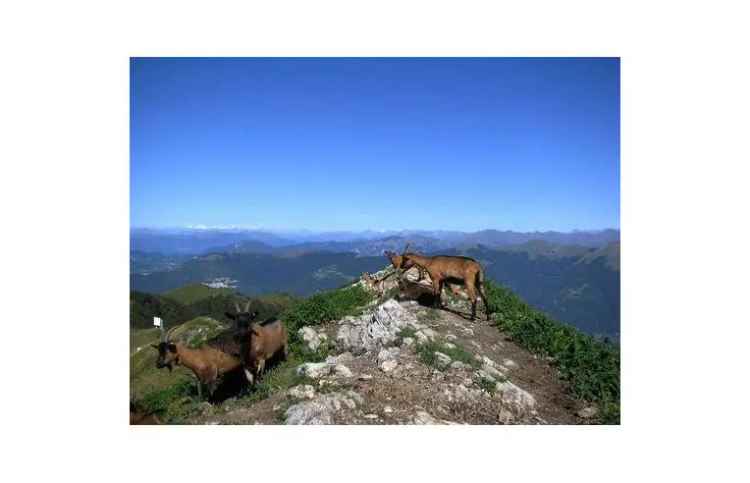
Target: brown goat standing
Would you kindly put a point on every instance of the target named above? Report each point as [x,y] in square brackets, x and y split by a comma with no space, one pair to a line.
[398,260]
[463,270]
[207,363]
[261,343]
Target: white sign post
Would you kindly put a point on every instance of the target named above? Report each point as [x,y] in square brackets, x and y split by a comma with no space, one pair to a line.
[157,321]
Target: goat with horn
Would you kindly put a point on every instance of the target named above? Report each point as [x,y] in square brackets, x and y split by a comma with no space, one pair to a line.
[207,363]
[259,342]
[398,263]
[453,269]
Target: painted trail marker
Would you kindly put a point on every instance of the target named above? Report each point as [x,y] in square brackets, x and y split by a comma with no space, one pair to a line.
[157,322]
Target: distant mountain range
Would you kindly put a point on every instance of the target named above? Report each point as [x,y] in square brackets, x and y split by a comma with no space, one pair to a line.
[576,282]
[186,241]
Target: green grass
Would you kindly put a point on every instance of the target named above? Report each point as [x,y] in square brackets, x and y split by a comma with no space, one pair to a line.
[591,367]
[426,353]
[486,384]
[173,403]
[325,307]
[173,395]
[195,292]
[407,332]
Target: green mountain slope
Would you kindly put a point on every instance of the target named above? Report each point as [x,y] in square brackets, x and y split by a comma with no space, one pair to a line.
[195,292]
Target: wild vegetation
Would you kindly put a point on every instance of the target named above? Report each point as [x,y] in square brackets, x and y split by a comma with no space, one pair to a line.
[144,307]
[174,397]
[325,307]
[591,366]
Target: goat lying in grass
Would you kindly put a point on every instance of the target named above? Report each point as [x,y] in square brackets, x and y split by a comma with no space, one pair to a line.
[259,343]
[461,270]
[207,363]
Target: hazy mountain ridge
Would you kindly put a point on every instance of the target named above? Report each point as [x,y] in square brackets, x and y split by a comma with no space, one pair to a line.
[198,241]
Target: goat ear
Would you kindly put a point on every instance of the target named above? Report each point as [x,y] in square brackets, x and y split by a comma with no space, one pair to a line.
[255,328]
[172,347]
[254,314]
[231,316]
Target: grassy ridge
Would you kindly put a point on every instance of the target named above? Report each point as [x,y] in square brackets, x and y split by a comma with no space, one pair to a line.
[591,367]
[195,292]
[325,307]
[173,396]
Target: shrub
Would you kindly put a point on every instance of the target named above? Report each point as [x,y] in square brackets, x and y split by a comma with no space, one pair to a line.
[325,307]
[592,367]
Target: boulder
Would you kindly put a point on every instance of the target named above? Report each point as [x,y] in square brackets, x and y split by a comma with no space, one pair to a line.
[314,370]
[311,338]
[322,409]
[303,391]
[588,412]
[515,398]
[423,417]
[443,360]
[375,328]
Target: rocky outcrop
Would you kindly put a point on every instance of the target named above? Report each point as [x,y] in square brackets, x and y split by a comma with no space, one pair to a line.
[311,338]
[322,409]
[374,329]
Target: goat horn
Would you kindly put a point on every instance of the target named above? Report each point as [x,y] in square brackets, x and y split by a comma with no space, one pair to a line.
[237,307]
[247,306]
[169,333]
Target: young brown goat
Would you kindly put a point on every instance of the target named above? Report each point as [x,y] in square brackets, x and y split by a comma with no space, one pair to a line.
[260,343]
[398,262]
[461,270]
[207,363]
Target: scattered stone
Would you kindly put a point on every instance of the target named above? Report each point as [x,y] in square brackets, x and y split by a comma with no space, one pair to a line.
[515,398]
[342,371]
[450,336]
[388,354]
[387,409]
[364,377]
[407,342]
[389,365]
[423,417]
[509,364]
[304,391]
[314,370]
[494,372]
[458,393]
[371,416]
[375,328]
[458,365]
[321,410]
[342,358]
[588,412]
[476,345]
[311,338]
[448,345]
[421,338]
[505,416]
[481,374]
[443,360]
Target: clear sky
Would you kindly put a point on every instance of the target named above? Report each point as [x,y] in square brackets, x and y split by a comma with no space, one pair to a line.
[355,144]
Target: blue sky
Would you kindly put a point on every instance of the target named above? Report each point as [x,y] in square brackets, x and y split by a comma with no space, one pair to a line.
[355,144]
